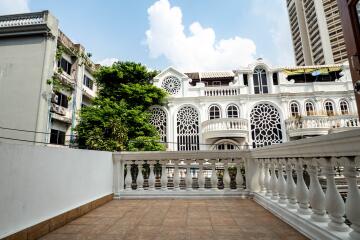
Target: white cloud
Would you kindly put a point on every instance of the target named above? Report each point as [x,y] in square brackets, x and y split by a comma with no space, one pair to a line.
[14,6]
[274,13]
[107,61]
[197,51]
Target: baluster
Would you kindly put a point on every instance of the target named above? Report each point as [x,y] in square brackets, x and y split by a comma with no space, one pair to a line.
[273,182]
[201,177]
[128,178]
[281,182]
[188,179]
[164,177]
[214,177]
[176,178]
[302,192]
[267,177]
[353,198]
[290,186]
[140,177]
[239,177]
[262,175]
[316,194]
[226,177]
[151,179]
[334,203]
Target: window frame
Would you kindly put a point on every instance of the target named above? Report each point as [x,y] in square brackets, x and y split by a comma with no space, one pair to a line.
[331,112]
[260,76]
[296,113]
[213,113]
[232,111]
[341,104]
[312,113]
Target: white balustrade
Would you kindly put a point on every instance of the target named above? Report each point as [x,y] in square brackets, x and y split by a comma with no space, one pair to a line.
[273,182]
[302,191]
[221,91]
[352,208]
[225,124]
[281,187]
[226,178]
[322,122]
[316,194]
[318,162]
[290,186]
[334,203]
[151,180]
[239,177]
[140,178]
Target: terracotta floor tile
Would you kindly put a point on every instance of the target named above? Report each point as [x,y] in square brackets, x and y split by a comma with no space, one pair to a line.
[172,219]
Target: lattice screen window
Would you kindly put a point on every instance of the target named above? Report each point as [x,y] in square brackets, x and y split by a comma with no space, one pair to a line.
[265,125]
[171,84]
[188,129]
[158,119]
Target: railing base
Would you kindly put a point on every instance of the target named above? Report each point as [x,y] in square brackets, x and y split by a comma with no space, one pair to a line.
[146,194]
[303,223]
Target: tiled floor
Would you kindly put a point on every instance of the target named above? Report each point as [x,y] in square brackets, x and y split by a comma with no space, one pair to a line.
[177,219]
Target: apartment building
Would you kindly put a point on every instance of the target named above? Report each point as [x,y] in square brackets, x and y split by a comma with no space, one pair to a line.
[45,79]
[316,32]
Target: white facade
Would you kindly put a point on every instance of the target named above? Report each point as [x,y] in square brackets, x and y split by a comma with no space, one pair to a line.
[232,115]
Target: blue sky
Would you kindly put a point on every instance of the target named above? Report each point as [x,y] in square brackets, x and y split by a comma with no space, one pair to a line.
[188,34]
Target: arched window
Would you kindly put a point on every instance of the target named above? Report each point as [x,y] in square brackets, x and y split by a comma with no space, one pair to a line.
[214,112]
[260,81]
[188,129]
[310,109]
[344,107]
[265,125]
[158,119]
[232,111]
[225,144]
[329,108]
[294,109]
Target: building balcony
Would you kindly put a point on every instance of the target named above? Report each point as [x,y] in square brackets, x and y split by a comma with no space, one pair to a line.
[221,91]
[225,127]
[89,93]
[66,78]
[60,113]
[320,125]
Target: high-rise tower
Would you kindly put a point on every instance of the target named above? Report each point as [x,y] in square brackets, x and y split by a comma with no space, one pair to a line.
[316,32]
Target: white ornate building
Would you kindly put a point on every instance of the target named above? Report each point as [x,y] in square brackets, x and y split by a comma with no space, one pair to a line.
[253,106]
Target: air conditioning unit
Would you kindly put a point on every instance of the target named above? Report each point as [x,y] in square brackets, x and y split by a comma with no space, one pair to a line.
[54,98]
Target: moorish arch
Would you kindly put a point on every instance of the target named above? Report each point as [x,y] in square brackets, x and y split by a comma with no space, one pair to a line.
[158,119]
[187,129]
[265,124]
[225,144]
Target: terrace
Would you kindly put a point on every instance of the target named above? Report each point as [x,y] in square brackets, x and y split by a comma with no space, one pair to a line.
[272,192]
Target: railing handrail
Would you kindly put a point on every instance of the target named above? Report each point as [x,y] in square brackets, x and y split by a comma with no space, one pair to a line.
[180,155]
[220,120]
[345,116]
[339,144]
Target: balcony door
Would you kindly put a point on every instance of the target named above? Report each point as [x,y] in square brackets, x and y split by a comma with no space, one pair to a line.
[350,20]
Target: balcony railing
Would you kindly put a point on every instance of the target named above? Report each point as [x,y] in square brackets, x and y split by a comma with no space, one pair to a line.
[221,91]
[225,127]
[205,173]
[265,173]
[320,124]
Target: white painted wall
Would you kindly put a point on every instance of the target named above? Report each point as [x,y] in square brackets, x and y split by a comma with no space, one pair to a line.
[37,183]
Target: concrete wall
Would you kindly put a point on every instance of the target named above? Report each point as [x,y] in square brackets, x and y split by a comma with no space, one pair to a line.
[25,65]
[37,183]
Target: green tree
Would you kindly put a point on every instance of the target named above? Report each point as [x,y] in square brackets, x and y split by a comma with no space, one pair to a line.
[118,119]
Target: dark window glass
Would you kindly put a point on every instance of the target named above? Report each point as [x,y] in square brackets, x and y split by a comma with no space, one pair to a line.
[275,79]
[65,66]
[62,100]
[214,112]
[57,137]
[88,82]
[260,81]
[246,82]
